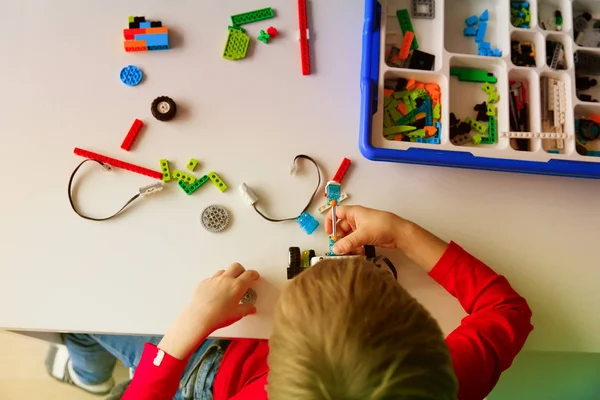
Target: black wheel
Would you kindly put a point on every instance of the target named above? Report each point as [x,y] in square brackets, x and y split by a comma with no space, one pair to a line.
[370,252]
[163,108]
[311,254]
[294,262]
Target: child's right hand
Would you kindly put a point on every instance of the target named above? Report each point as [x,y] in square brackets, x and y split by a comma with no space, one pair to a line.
[360,226]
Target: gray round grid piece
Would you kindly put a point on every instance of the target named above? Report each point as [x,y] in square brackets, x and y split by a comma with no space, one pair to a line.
[215,218]
[249,297]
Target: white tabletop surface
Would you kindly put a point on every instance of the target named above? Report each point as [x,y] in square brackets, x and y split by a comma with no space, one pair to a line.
[60,89]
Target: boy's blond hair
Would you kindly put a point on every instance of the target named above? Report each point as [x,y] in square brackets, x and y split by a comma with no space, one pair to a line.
[346,330]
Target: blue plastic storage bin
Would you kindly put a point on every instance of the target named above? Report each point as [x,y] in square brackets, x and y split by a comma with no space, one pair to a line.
[372,36]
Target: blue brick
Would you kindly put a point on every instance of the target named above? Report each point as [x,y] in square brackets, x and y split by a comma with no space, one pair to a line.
[145,24]
[472,20]
[485,16]
[485,45]
[470,31]
[496,52]
[333,191]
[307,222]
[154,39]
[481,32]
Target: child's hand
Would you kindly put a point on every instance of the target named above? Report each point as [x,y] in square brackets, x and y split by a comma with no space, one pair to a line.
[214,305]
[360,226]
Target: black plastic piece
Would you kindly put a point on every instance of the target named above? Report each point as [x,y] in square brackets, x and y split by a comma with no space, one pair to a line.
[134,25]
[139,19]
[163,108]
[585,83]
[294,263]
[453,120]
[156,24]
[580,149]
[370,252]
[421,60]
[482,112]
[401,85]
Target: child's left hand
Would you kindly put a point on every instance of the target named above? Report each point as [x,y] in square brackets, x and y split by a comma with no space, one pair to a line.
[214,305]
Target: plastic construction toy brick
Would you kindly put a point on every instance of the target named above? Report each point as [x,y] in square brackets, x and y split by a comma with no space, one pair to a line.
[264,37]
[406,44]
[145,35]
[421,60]
[182,176]
[192,164]
[472,20]
[341,172]
[485,16]
[217,181]
[406,26]
[327,206]
[470,31]
[520,15]
[166,171]
[131,75]
[481,31]
[304,36]
[472,75]
[272,31]
[477,126]
[236,47]
[191,188]
[307,222]
[333,191]
[117,163]
[423,9]
[132,134]
[252,16]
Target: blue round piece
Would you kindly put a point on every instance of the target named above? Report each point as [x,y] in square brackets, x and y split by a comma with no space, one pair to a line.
[131,75]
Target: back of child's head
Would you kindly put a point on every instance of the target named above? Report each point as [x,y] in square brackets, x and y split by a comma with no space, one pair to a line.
[345,330]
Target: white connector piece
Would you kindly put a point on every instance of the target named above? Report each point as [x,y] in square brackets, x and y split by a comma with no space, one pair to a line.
[532,135]
[326,207]
[248,194]
[151,189]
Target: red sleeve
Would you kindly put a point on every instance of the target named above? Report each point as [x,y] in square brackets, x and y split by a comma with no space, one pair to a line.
[155,378]
[499,321]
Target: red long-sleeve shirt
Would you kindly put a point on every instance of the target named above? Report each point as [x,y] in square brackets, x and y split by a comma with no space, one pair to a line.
[482,347]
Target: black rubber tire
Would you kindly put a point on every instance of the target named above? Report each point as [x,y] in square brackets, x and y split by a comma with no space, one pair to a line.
[370,252]
[163,114]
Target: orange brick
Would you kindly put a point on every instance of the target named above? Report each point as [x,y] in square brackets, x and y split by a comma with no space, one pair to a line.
[406,43]
[420,116]
[399,138]
[430,130]
[420,86]
[162,29]
[595,118]
[411,84]
[388,92]
[135,45]
[402,109]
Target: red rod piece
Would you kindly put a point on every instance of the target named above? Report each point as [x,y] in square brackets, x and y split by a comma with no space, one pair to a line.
[304,48]
[133,132]
[118,164]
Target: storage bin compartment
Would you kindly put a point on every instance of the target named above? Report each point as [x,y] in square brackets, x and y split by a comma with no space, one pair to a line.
[554,15]
[586,23]
[522,116]
[522,41]
[559,57]
[587,130]
[457,11]
[587,75]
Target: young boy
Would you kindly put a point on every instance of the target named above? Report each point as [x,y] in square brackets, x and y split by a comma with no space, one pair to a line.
[343,329]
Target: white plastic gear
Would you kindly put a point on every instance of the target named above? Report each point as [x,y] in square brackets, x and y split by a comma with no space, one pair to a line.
[215,218]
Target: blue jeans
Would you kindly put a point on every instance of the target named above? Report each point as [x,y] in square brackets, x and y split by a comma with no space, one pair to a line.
[94,357]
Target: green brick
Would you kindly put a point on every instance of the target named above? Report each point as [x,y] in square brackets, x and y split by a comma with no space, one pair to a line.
[418,133]
[492,137]
[491,110]
[406,25]
[192,164]
[437,111]
[164,167]
[187,178]
[236,46]
[476,139]
[217,181]
[388,122]
[189,189]
[415,94]
[387,101]
[239,28]
[472,75]
[488,88]
[252,16]
[398,129]
[131,19]
[477,126]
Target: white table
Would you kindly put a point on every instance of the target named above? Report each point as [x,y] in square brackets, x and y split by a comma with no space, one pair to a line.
[246,120]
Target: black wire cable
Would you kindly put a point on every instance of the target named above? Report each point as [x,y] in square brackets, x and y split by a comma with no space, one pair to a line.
[311,197]
[134,198]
